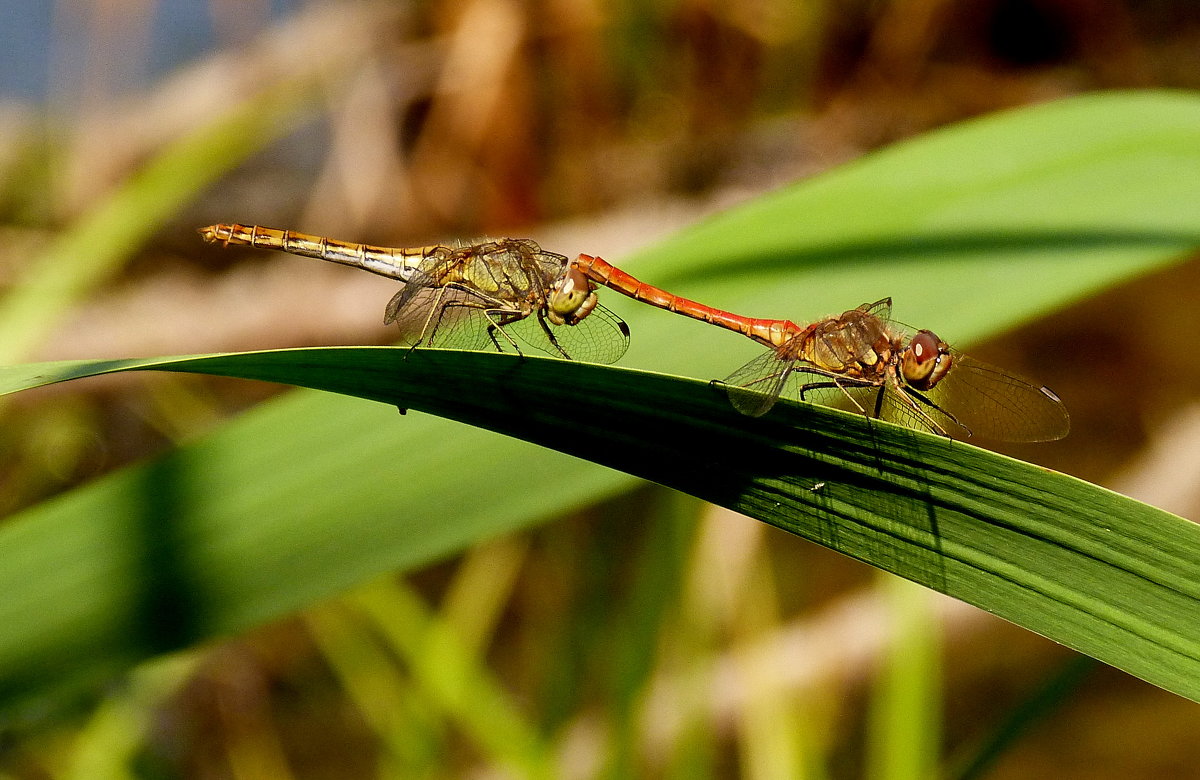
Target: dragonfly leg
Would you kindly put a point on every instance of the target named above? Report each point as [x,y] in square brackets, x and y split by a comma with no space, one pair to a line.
[840,382]
[910,393]
[550,335]
[434,319]
[810,386]
[771,377]
[450,299]
[853,400]
[497,320]
[906,396]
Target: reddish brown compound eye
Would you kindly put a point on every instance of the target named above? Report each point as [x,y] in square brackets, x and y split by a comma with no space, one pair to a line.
[924,346]
[578,280]
[926,360]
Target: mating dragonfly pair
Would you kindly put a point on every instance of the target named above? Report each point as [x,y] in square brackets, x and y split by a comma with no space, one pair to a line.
[490,295]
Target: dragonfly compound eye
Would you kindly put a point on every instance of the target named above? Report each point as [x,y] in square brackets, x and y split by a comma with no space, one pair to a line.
[572,299]
[926,360]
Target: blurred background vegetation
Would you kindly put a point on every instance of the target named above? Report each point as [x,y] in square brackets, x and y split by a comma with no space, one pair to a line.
[646,636]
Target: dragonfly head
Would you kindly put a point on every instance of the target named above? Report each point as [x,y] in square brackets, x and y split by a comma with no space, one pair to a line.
[571,299]
[925,361]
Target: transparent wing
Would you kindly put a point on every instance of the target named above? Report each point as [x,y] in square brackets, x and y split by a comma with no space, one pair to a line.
[993,404]
[979,400]
[430,272]
[754,388]
[894,406]
[450,318]
[974,400]
[881,309]
[454,318]
[600,337]
[871,400]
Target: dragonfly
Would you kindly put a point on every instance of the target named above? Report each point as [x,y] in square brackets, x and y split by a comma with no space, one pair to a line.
[865,361]
[485,295]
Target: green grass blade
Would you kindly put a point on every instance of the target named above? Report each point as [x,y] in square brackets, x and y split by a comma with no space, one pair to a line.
[905,710]
[457,680]
[1055,691]
[653,594]
[404,724]
[1017,540]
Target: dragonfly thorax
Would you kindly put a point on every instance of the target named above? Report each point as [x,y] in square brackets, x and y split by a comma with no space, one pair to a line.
[855,345]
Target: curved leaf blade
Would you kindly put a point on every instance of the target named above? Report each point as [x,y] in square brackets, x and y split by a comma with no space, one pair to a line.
[1010,537]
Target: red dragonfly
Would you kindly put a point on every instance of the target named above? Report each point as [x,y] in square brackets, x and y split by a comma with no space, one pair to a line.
[863,360]
[476,296]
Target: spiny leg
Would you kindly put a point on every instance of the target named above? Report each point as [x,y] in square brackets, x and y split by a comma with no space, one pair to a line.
[550,335]
[437,308]
[504,317]
[840,382]
[905,396]
[488,312]
[911,393]
[444,306]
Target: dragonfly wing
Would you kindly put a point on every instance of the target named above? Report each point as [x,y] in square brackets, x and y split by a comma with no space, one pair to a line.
[398,303]
[873,400]
[600,337]
[603,339]
[449,318]
[922,414]
[973,400]
[994,404]
[424,278]
[881,308]
[754,388]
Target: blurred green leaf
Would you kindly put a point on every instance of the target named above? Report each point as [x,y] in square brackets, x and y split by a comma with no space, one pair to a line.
[970,229]
[905,707]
